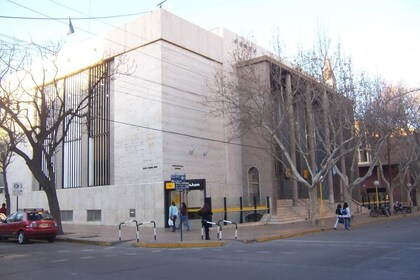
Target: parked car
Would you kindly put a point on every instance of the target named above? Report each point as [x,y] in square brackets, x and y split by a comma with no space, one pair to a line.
[29,224]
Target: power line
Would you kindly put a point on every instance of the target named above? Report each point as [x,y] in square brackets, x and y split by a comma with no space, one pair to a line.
[188,135]
[73,18]
[177,101]
[107,39]
[136,50]
[170,62]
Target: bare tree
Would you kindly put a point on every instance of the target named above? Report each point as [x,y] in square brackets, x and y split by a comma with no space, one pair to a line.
[361,92]
[393,117]
[405,142]
[283,106]
[7,52]
[34,100]
[6,157]
[334,71]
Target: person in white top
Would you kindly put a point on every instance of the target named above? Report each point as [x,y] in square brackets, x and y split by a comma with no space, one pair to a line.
[346,213]
[173,214]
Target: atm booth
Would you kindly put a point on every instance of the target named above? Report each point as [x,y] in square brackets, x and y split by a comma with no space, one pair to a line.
[194,198]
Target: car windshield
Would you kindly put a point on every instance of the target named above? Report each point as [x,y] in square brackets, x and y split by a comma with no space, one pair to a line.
[39,216]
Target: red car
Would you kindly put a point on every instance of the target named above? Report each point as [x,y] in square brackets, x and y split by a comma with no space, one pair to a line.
[29,224]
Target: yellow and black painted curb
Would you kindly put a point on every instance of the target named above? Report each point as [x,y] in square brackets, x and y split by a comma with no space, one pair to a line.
[197,244]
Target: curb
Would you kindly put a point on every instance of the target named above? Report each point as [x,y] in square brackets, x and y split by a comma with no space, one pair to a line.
[284,236]
[197,244]
[220,243]
[88,242]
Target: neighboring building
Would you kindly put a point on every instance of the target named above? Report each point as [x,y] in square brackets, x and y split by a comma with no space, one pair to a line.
[395,152]
[151,124]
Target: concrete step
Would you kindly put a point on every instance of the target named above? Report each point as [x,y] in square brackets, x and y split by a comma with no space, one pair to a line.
[287,213]
[277,220]
[284,203]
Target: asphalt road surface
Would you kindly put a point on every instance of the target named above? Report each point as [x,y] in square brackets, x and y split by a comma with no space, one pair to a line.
[387,250]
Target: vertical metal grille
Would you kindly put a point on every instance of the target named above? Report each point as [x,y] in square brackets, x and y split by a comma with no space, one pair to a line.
[72,148]
[50,94]
[99,125]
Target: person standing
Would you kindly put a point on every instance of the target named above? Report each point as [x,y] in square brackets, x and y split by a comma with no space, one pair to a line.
[173,214]
[339,217]
[205,213]
[184,216]
[346,215]
[3,209]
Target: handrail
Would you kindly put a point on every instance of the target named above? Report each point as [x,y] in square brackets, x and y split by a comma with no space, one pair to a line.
[127,222]
[219,228]
[154,227]
[202,227]
[137,228]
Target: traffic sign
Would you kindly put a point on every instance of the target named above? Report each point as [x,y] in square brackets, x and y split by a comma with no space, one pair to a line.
[17,189]
[182,187]
[178,178]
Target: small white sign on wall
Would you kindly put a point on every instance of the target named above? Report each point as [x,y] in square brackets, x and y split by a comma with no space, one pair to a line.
[17,189]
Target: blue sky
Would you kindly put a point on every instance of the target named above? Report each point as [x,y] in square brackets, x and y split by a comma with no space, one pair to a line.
[382,36]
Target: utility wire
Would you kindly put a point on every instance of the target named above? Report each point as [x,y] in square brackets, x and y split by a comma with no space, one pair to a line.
[73,18]
[145,127]
[134,34]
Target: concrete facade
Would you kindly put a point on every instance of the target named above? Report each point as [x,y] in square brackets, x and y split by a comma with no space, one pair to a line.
[158,121]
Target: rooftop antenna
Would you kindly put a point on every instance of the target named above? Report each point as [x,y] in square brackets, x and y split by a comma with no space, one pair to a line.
[160,4]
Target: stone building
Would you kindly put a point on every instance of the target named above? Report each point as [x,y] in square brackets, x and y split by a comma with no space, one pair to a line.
[149,125]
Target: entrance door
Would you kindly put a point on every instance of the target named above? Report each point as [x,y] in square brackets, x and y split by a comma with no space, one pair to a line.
[194,198]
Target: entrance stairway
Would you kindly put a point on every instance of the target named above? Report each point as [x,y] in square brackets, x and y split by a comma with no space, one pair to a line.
[287,213]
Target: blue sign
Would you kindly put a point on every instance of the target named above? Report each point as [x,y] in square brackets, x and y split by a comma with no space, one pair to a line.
[182,187]
[178,178]
[180,184]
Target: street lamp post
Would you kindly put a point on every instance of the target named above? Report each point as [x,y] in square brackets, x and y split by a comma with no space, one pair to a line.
[376,183]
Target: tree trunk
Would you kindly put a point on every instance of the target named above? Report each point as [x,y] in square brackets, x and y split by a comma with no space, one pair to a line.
[347,194]
[313,198]
[54,207]
[349,198]
[292,132]
[6,192]
[343,165]
[48,186]
[327,144]
[311,142]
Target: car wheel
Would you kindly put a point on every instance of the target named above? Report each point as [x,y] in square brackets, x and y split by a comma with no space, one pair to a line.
[21,237]
[51,239]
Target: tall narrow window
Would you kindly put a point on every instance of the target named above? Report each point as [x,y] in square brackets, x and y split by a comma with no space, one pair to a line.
[99,125]
[254,182]
[48,96]
[72,147]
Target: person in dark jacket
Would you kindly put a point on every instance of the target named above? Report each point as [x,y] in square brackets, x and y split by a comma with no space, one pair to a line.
[184,216]
[339,218]
[3,209]
[205,213]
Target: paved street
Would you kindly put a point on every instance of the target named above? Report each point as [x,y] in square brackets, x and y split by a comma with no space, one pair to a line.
[386,250]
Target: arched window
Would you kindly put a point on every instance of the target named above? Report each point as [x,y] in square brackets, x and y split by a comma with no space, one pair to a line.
[254,182]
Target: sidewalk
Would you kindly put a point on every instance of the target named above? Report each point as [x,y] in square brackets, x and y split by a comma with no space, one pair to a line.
[246,233]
